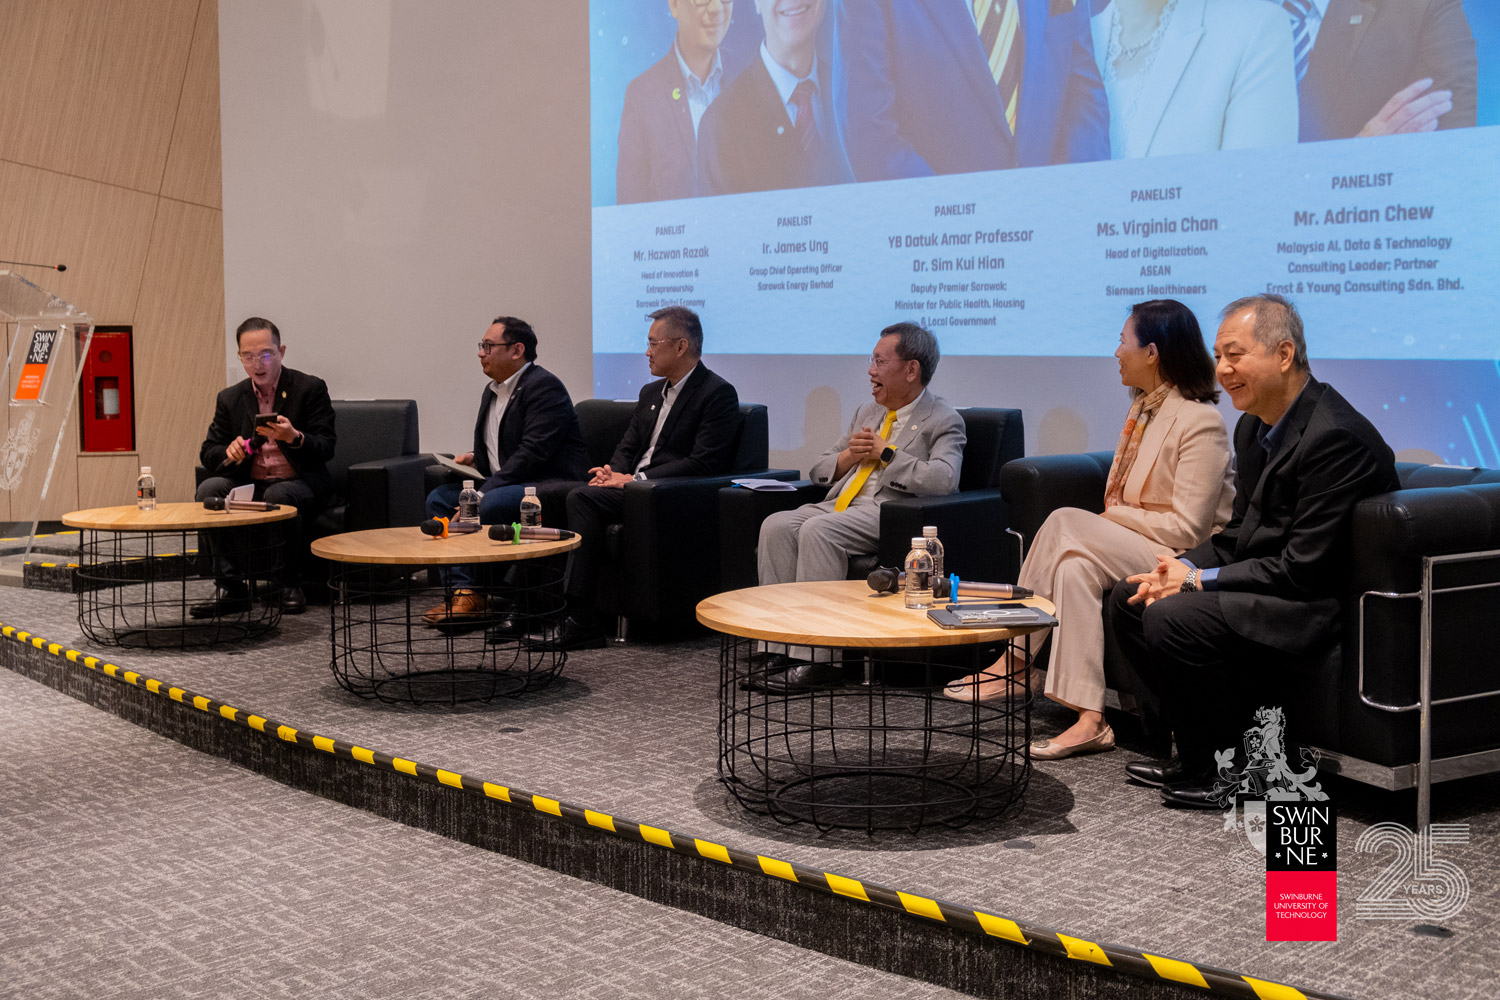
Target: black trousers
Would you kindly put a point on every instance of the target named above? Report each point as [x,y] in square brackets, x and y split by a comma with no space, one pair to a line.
[291,492]
[1208,678]
[591,511]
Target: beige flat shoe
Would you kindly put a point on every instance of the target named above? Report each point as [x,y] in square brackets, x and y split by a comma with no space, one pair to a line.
[987,686]
[1047,750]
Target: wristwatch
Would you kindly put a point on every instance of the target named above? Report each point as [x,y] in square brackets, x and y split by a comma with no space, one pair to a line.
[887,454]
[639,477]
[1190,582]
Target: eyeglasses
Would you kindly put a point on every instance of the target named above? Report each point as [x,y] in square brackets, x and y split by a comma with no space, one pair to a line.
[264,357]
[701,4]
[882,362]
[486,347]
[652,345]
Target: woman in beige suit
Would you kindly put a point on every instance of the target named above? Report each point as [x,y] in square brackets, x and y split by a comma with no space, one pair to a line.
[1169,488]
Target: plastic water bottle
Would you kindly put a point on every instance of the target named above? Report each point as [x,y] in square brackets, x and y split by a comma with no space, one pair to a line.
[531,509]
[468,504]
[934,549]
[919,575]
[145,490]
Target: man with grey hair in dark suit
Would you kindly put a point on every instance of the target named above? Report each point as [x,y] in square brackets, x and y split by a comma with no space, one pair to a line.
[1226,627]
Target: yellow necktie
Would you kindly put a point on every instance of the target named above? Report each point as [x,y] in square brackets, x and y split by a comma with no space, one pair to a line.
[999,23]
[857,481]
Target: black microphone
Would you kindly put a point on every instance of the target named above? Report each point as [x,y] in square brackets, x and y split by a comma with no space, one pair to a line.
[442,527]
[22,263]
[517,532]
[889,580]
[224,503]
[249,452]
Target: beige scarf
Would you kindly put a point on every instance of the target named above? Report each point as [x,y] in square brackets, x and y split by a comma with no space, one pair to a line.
[1141,411]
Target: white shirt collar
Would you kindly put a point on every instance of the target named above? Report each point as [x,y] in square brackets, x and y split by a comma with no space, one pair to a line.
[783,78]
[509,385]
[676,388]
[715,72]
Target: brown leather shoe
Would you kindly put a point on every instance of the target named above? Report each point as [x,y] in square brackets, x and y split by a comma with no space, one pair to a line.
[463,606]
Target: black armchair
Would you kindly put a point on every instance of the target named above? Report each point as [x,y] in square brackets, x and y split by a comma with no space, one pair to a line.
[971,522]
[376,470]
[1405,698]
[376,473]
[663,559]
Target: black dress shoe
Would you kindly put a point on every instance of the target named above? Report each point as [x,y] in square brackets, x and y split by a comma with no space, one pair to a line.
[1156,773]
[576,635]
[803,677]
[226,601]
[761,666]
[1196,793]
[292,601]
[504,630]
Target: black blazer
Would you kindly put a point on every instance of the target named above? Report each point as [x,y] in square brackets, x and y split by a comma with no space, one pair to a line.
[302,399]
[1369,49]
[1284,556]
[699,436]
[746,140]
[539,435]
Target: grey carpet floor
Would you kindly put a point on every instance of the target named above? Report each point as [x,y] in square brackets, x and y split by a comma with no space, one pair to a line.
[631,731]
[135,867]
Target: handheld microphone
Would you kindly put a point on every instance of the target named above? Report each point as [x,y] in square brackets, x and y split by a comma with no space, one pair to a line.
[442,527]
[249,452]
[22,263]
[888,580]
[224,503]
[515,533]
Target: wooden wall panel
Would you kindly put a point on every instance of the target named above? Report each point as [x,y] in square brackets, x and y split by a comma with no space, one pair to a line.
[101,232]
[92,86]
[193,173]
[179,343]
[107,480]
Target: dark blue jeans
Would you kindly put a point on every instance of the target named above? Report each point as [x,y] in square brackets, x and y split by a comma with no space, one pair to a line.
[501,505]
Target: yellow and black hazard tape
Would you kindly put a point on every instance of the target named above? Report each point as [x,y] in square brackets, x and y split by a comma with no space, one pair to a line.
[1124,960]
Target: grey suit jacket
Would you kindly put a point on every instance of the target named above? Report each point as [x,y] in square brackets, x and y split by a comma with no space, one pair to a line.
[929,451]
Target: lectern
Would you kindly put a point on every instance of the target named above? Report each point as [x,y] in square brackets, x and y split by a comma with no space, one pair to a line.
[46,342]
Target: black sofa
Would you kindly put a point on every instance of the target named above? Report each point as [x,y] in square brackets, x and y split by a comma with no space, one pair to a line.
[1424,581]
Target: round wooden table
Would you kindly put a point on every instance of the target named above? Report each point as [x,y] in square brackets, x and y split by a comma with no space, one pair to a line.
[883,748]
[382,647]
[139,573]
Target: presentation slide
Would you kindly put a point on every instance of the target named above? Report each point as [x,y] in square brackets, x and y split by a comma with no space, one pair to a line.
[1014,174]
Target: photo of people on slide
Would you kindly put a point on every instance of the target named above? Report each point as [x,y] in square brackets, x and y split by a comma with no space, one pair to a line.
[706,97]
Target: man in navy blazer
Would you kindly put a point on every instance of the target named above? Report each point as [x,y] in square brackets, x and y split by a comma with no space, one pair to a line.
[526,433]
[1380,67]
[1226,628]
[920,98]
[286,459]
[754,137]
[686,423]
[658,142]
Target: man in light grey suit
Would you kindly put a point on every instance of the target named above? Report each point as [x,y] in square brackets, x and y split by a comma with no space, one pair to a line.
[907,442]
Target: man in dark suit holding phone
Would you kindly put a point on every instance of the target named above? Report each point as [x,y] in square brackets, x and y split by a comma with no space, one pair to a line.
[1225,628]
[685,424]
[274,430]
